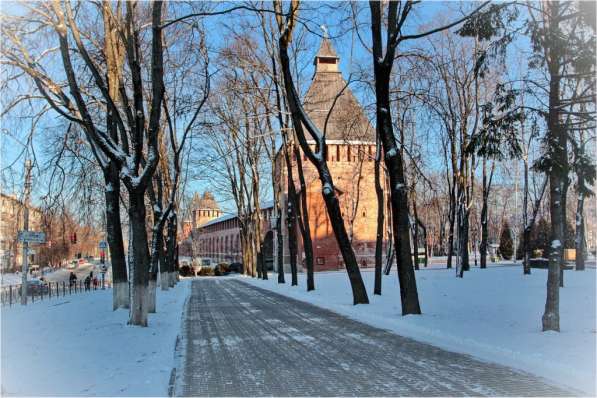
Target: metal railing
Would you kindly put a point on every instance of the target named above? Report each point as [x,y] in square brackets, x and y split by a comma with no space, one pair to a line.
[11,294]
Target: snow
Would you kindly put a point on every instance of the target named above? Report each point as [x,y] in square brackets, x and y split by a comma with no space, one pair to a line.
[78,346]
[555,244]
[391,153]
[493,314]
[327,189]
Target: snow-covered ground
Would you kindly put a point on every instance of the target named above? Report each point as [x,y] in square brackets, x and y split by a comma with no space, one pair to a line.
[492,314]
[78,346]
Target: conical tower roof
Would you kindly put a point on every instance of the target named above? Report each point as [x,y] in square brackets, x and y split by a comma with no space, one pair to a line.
[347,121]
[326,50]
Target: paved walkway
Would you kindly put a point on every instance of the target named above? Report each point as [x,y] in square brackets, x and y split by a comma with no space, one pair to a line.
[239,340]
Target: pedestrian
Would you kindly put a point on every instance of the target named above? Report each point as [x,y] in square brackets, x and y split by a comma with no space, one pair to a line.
[72,279]
[87,282]
[95,281]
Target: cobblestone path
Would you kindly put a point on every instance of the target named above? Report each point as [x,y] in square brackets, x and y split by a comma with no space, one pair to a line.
[239,340]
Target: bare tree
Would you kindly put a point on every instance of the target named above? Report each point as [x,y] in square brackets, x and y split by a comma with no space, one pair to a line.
[317,155]
[135,134]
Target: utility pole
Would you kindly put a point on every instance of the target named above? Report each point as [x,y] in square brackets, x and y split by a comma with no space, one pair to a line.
[26,228]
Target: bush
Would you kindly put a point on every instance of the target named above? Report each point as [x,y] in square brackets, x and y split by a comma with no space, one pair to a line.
[506,245]
[540,237]
[223,267]
[185,270]
[205,271]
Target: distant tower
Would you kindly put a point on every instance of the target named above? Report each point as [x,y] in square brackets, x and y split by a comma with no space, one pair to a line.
[205,208]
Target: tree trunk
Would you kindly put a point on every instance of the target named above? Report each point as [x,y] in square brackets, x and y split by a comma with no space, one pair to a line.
[526,234]
[164,268]
[291,225]
[171,250]
[258,258]
[138,259]
[556,142]
[453,202]
[462,219]
[260,265]
[398,191]
[120,284]
[424,228]
[114,51]
[380,220]
[579,241]
[291,214]
[484,226]
[280,243]
[463,240]
[304,225]
[451,219]
[157,248]
[415,245]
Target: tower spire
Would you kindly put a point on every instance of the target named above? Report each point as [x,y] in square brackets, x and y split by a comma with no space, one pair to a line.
[326,59]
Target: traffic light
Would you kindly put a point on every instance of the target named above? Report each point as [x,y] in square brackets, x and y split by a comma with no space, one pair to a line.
[102,257]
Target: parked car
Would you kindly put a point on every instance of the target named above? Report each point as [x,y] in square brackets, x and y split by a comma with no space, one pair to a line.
[236,267]
[221,269]
[206,262]
[35,286]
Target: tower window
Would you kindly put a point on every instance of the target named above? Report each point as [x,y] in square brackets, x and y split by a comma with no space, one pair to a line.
[327,60]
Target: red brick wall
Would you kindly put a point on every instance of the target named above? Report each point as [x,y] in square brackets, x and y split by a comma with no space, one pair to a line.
[352,169]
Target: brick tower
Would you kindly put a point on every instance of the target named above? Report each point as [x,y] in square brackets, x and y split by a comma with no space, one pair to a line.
[350,155]
[205,208]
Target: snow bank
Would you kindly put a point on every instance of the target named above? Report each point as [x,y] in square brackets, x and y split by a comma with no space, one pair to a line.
[492,314]
[78,346]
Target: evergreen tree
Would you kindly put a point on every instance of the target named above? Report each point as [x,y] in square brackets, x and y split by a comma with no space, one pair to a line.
[506,245]
[540,237]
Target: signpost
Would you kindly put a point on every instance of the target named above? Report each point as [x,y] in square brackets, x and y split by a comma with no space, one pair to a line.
[24,235]
[103,245]
[31,237]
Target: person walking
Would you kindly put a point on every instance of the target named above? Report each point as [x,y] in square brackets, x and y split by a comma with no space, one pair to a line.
[72,279]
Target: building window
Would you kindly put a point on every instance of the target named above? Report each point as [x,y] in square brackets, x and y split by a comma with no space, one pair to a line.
[348,155]
[364,213]
[338,153]
[320,261]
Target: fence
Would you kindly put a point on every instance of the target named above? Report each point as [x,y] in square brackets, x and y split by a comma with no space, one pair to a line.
[11,294]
